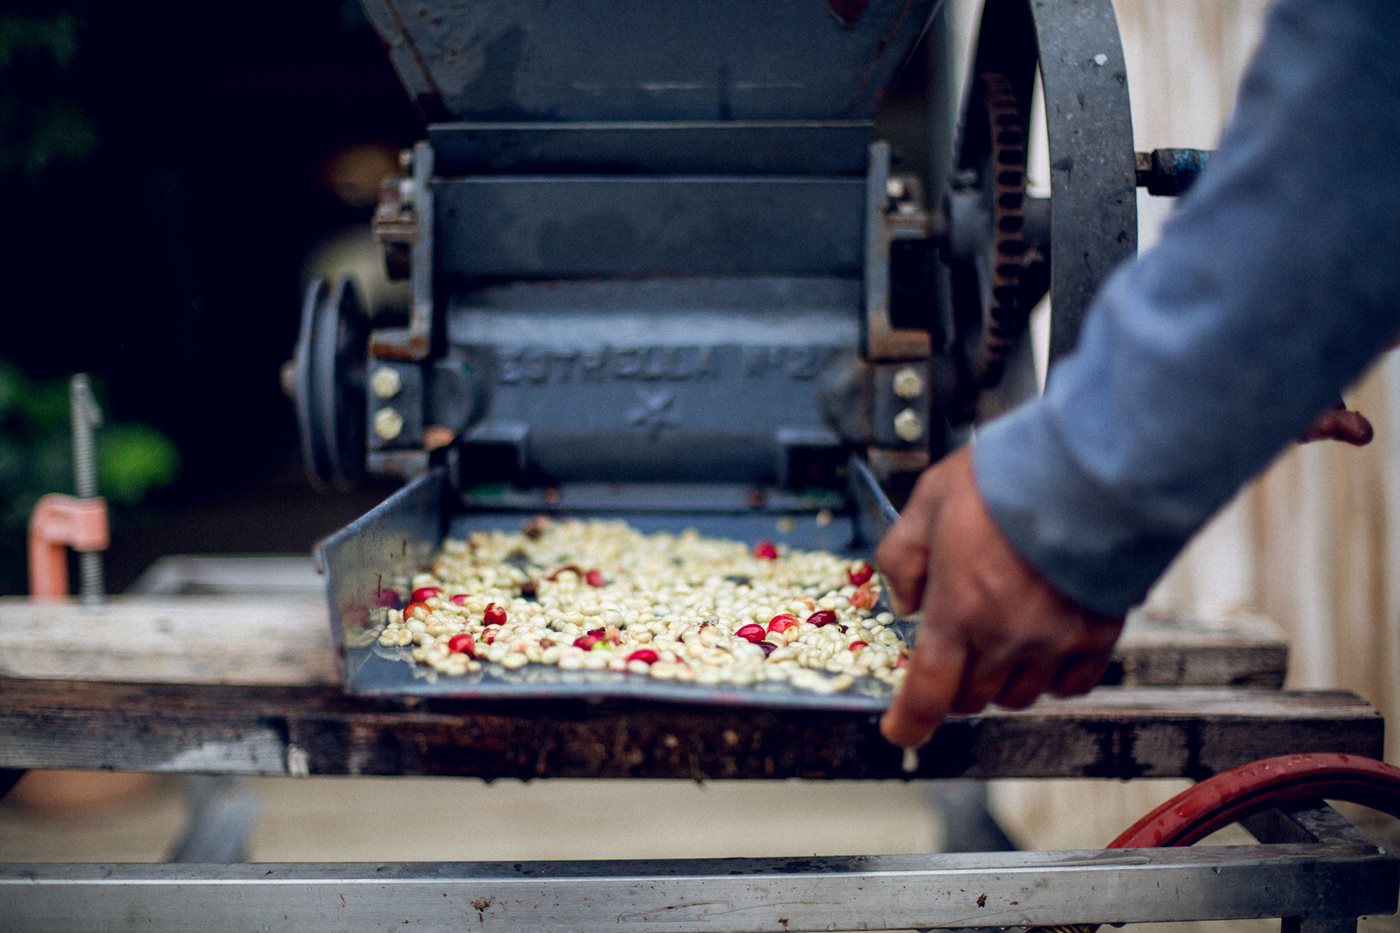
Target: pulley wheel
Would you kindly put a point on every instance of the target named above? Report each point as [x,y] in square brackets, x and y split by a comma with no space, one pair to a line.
[1007,249]
[329,384]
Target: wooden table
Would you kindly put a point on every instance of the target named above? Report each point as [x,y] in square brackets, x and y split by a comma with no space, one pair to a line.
[247,686]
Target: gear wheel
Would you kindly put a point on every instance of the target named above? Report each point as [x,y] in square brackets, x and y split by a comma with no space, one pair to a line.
[1005,177]
[1005,249]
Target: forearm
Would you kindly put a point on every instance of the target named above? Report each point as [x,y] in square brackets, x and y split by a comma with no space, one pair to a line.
[1273,285]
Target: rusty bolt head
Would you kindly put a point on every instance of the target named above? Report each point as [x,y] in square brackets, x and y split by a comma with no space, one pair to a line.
[386,382]
[908,426]
[908,384]
[436,436]
[388,424]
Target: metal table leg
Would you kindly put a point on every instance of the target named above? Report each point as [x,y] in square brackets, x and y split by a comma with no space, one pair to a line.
[968,824]
[1318,823]
[222,811]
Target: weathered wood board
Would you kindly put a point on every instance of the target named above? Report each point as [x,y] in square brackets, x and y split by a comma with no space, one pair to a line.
[285,639]
[248,684]
[1238,649]
[1119,732]
[171,639]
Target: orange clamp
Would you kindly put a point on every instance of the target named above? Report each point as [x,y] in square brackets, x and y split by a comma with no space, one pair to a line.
[60,522]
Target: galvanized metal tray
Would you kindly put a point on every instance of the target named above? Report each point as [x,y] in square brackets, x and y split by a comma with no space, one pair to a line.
[368,565]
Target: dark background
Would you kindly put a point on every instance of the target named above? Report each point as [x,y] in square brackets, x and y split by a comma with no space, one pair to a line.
[157,238]
[166,258]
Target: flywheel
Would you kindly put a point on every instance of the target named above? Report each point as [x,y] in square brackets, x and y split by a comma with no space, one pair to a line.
[1006,248]
[327,382]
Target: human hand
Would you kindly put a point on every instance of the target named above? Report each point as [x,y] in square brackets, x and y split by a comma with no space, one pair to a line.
[1340,423]
[993,630]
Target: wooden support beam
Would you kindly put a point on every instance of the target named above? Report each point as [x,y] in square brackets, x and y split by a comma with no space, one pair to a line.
[1116,732]
[284,639]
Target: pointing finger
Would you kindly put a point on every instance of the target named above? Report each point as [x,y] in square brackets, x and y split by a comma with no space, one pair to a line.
[932,681]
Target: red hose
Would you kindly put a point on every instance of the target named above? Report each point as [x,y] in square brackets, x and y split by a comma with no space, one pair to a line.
[1232,795]
[1261,785]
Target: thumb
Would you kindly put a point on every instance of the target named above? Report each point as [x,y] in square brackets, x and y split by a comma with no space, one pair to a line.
[903,555]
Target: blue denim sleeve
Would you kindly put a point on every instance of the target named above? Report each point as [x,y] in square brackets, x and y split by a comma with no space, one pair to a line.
[1276,281]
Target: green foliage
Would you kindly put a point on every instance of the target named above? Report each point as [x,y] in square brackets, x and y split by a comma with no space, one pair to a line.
[132,460]
[36,457]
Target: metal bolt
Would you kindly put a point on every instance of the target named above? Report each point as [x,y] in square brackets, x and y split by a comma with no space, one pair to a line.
[406,159]
[386,382]
[388,424]
[895,188]
[908,384]
[85,416]
[908,426]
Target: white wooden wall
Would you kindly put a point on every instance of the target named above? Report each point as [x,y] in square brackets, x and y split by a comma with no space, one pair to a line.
[1315,543]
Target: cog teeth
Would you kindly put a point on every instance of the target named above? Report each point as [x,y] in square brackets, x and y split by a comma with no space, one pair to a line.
[1005,318]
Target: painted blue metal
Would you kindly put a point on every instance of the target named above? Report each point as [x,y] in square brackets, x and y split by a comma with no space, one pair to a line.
[533,60]
[364,560]
[652,254]
[572,226]
[660,380]
[779,147]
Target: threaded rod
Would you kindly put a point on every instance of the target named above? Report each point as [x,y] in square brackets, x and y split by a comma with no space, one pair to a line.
[85,417]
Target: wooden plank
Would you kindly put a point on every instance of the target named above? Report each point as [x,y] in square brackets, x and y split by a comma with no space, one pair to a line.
[1171,648]
[285,639]
[1115,732]
[282,639]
